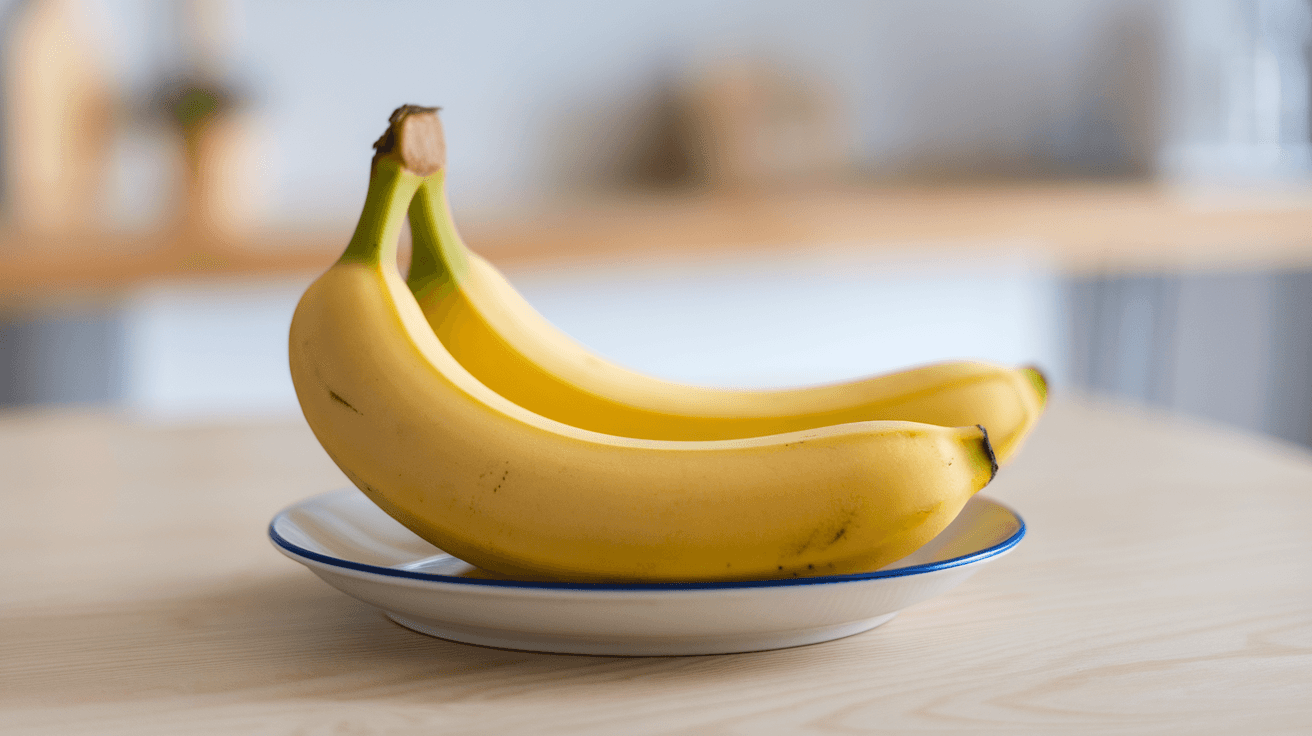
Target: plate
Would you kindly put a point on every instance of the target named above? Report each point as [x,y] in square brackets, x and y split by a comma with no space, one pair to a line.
[357,548]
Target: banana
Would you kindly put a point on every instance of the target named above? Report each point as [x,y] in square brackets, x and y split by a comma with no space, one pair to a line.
[495,334]
[517,493]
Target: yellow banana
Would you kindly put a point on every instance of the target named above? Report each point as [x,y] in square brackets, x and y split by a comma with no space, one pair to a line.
[496,335]
[517,493]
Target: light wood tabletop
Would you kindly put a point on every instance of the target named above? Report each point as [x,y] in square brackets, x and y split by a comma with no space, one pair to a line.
[1165,586]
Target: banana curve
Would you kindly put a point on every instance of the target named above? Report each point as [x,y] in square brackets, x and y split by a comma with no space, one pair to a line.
[501,339]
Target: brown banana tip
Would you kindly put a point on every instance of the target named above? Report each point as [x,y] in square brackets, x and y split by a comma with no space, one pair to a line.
[414,135]
[988,449]
[1039,380]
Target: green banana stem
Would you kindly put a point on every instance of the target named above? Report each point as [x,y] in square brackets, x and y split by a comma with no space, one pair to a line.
[391,188]
[438,260]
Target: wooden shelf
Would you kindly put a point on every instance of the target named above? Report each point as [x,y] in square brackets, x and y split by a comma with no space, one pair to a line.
[1074,226]
[1077,227]
[36,266]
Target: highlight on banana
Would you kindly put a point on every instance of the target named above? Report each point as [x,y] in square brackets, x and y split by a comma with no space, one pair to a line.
[466,416]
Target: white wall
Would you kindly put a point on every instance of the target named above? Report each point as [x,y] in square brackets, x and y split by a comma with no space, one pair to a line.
[781,322]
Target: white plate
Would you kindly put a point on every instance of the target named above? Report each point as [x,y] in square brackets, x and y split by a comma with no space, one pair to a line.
[354,546]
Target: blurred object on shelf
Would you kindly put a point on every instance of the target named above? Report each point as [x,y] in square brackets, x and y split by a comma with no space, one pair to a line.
[1237,104]
[64,116]
[219,146]
[60,120]
[747,123]
[215,129]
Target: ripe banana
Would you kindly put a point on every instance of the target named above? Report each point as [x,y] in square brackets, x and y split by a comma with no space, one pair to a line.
[499,338]
[520,494]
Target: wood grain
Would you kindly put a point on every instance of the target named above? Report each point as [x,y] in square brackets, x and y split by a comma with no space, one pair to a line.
[1165,587]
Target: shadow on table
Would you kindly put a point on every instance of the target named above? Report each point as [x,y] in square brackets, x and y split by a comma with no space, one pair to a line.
[291,635]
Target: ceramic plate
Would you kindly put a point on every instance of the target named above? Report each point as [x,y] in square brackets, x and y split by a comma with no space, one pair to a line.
[350,543]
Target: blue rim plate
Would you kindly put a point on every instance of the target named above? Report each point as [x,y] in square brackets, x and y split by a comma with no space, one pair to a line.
[351,544]
[906,567]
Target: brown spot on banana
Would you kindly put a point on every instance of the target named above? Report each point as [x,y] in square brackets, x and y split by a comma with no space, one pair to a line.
[828,535]
[988,448]
[358,481]
[336,397]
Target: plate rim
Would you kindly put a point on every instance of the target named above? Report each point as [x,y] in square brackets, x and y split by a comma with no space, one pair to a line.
[293,549]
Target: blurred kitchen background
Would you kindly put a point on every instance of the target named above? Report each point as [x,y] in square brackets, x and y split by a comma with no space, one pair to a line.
[750,193]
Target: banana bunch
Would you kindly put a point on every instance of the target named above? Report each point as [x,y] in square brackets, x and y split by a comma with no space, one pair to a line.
[464,415]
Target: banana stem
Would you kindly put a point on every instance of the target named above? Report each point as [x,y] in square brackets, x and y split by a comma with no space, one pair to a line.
[413,147]
[439,259]
[391,188]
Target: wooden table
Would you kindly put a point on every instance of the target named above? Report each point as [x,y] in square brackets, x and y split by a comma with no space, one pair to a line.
[1165,587]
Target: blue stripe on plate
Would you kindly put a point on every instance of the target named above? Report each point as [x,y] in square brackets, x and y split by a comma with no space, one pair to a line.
[996,549]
